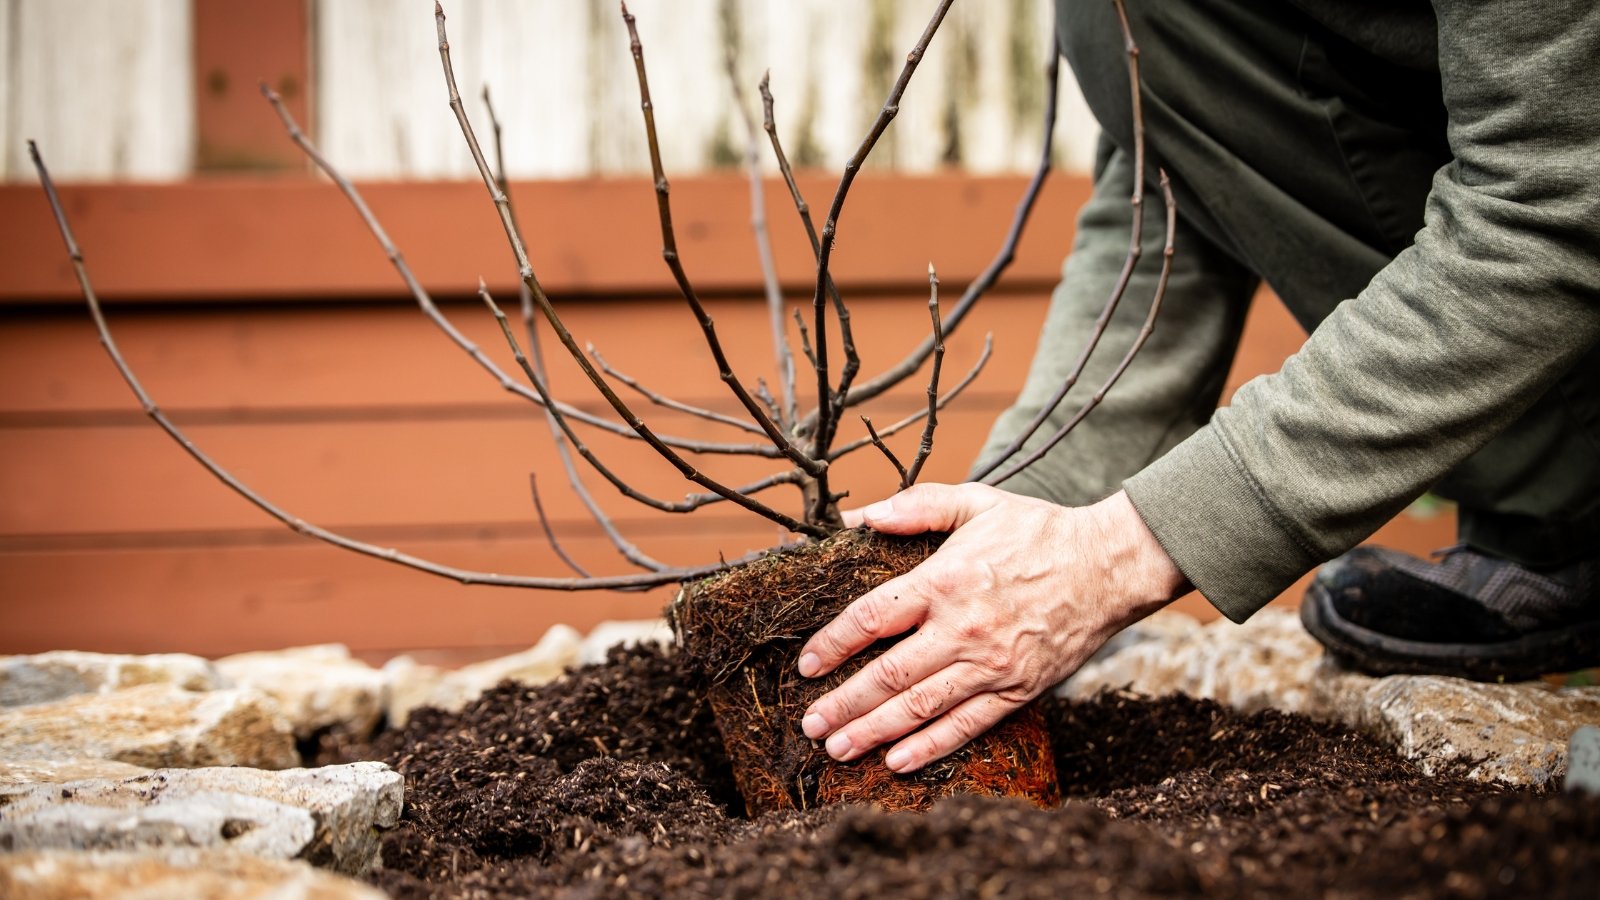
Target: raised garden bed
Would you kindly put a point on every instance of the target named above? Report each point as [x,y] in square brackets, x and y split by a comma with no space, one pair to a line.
[613,781]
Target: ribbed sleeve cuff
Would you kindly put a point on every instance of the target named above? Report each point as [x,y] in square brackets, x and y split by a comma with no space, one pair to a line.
[1221,531]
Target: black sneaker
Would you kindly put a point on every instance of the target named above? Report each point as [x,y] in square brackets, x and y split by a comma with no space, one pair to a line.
[1468,615]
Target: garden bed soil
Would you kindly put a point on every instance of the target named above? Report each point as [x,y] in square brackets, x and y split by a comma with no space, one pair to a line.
[612,781]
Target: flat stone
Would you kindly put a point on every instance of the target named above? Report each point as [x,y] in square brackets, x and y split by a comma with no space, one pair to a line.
[1512,733]
[330,817]
[318,688]
[213,874]
[1268,662]
[45,677]
[22,772]
[624,632]
[155,726]
[412,684]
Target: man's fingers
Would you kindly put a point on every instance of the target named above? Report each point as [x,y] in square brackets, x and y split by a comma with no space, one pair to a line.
[891,608]
[928,507]
[879,681]
[949,732]
[905,711]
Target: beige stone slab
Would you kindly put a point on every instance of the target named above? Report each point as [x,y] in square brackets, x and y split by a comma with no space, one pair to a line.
[190,873]
[155,726]
[45,677]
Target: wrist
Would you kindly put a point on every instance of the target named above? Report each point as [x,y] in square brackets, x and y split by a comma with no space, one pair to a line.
[1138,568]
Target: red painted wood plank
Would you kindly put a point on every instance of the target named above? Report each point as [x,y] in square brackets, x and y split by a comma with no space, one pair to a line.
[296,237]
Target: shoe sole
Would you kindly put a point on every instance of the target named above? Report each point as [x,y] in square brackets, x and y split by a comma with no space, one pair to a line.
[1564,650]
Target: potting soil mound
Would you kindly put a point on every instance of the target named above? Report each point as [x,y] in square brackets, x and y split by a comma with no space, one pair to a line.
[611,781]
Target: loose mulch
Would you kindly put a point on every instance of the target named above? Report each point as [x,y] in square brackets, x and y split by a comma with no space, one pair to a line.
[612,781]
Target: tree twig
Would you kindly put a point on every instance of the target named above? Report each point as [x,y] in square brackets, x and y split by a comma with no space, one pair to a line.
[550,533]
[827,421]
[578,443]
[784,356]
[975,291]
[626,548]
[914,418]
[525,270]
[425,302]
[811,465]
[805,339]
[1135,251]
[666,402]
[1127,358]
[295,523]
[852,361]
[925,447]
[905,477]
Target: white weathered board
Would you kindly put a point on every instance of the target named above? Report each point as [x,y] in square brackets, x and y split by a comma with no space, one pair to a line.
[106,85]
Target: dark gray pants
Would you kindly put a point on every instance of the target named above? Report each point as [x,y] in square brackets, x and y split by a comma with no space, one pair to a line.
[1301,158]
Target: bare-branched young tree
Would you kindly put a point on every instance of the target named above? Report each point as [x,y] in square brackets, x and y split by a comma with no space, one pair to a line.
[807,442]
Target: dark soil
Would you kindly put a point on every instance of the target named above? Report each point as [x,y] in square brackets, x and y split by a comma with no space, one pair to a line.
[612,782]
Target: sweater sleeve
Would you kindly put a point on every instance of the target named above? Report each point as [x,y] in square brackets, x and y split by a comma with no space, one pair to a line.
[1496,299]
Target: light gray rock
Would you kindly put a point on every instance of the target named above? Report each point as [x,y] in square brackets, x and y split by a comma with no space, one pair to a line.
[1512,733]
[629,632]
[24,772]
[186,873]
[330,817]
[412,684]
[45,677]
[1583,761]
[1268,661]
[318,688]
[245,824]
[153,725]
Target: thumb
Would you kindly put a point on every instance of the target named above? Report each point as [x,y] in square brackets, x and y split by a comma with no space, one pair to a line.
[929,507]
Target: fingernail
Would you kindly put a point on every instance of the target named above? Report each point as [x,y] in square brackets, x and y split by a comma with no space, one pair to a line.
[839,745]
[810,665]
[814,726]
[878,512]
[898,760]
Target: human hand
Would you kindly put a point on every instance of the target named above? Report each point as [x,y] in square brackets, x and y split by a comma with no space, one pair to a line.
[1017,598]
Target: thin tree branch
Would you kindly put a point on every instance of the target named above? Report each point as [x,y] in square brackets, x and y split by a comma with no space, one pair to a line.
[783,355]
[905,477]
[1135,250]
[764,394]
[626,548]
[852,362]
[525,269]
[1008,250]
[578,444]
[805,339]
[926,446]
[295,523]
[425,303]
[823,510]
[1138,343]
[812,466]
[550,533]
[914,418]
[665,401]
